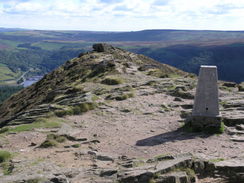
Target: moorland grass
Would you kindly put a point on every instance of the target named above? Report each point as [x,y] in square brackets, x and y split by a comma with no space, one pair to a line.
[53,122]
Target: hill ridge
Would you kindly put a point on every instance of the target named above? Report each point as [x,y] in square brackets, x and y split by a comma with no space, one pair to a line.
[95,65]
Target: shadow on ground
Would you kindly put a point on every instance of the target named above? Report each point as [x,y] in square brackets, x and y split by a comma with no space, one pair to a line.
[177,135]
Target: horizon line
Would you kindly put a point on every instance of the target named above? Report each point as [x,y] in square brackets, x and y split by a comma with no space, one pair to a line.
[76,30]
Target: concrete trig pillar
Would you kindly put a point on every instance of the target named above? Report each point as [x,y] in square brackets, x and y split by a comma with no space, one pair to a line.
[206,105]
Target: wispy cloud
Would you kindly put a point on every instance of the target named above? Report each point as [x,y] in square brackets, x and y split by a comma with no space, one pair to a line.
[122,14]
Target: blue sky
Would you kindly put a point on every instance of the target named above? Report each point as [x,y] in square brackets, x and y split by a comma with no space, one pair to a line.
[122,15]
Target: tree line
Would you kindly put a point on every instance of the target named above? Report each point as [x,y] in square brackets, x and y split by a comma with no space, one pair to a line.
[7,91]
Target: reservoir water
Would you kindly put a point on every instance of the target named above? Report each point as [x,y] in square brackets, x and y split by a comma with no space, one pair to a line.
[31,80]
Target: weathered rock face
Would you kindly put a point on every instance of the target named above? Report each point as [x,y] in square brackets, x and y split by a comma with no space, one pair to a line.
[233,169]
[103,47]
[241,87]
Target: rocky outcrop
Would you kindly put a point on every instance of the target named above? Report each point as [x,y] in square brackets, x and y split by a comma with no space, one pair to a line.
[149,171]
[183,169]
[233,169]
[241,87]
[103,47]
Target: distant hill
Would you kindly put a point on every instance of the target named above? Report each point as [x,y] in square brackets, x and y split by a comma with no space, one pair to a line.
[144,35]
[21,50]
[229,58]
[2,29]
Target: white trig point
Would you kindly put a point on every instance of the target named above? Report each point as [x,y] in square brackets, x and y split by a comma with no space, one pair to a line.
[206,104]
[207,98]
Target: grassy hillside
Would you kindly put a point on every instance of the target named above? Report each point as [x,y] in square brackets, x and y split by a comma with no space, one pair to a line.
[228,58]
[7,91]
[21,60]
[7,75]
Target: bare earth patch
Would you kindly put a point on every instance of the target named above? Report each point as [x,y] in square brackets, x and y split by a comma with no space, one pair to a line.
[139,127]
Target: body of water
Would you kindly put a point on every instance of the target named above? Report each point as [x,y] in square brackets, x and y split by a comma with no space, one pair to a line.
[30,81]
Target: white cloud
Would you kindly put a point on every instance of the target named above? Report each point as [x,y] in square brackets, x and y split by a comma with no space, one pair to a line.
[1,9]
[122,14]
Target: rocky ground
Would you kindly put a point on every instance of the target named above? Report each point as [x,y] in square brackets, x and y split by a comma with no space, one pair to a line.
[134,133]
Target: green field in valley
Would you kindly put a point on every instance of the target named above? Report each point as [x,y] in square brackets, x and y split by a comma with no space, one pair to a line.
[7,76]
